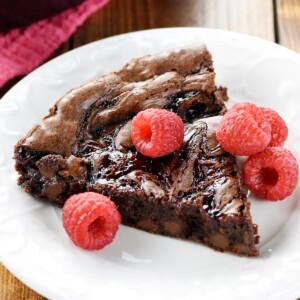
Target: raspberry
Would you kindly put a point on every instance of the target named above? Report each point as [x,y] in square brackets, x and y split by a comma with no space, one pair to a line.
[271,174]
[156,132]
[91,220]
[243,130]
[279,130]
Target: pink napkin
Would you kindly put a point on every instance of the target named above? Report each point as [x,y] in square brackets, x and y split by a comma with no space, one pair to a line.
[23,49]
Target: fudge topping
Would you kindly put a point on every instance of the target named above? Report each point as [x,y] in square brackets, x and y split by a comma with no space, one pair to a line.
[84,144]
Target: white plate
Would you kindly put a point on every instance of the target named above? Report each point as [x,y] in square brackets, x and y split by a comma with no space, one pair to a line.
[139,265]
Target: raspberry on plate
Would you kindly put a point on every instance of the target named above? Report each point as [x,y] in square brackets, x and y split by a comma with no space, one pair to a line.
[243,130]
[156,132]
[91,220]
[279,130]
[271,174]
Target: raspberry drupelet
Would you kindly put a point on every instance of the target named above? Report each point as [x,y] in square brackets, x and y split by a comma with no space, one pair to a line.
[271,174]
[91,220]
[279,130]
[244,130]
[157,132]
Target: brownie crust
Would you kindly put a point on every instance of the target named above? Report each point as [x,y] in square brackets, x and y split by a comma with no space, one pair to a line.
[144,82]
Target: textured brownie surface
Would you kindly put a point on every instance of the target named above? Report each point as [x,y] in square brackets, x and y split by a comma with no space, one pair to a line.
[84,144]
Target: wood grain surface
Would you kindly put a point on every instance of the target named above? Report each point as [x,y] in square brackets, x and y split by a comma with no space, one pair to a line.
[247,16]
[288,17]
[274,20]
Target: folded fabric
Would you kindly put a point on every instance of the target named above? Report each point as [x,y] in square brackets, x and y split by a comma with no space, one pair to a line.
[19,13]
[23,49]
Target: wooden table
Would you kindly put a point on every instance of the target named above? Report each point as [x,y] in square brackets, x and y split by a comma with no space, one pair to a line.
[274,20]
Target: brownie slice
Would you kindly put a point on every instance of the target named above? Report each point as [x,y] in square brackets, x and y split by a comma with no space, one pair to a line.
[84,144]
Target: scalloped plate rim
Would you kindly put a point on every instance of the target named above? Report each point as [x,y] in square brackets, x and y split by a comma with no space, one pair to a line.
[20,273]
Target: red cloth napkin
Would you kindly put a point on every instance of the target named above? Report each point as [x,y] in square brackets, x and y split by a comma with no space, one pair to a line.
[23,49]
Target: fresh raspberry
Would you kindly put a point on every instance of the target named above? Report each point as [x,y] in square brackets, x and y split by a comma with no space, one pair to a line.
[279,130]
[243,130]
[271,174]
[156,132]
[91,220]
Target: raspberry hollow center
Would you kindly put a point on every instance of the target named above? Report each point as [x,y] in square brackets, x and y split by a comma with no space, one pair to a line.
[96,227]
[145,132]
[269,176]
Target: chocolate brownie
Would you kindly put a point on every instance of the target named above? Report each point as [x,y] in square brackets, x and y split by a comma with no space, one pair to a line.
[84,144]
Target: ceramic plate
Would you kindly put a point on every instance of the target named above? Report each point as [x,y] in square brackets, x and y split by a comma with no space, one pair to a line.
[140,265]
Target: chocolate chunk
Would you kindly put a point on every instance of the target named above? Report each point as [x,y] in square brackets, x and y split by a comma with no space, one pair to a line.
[50,164]
[53,189]
[74,167]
